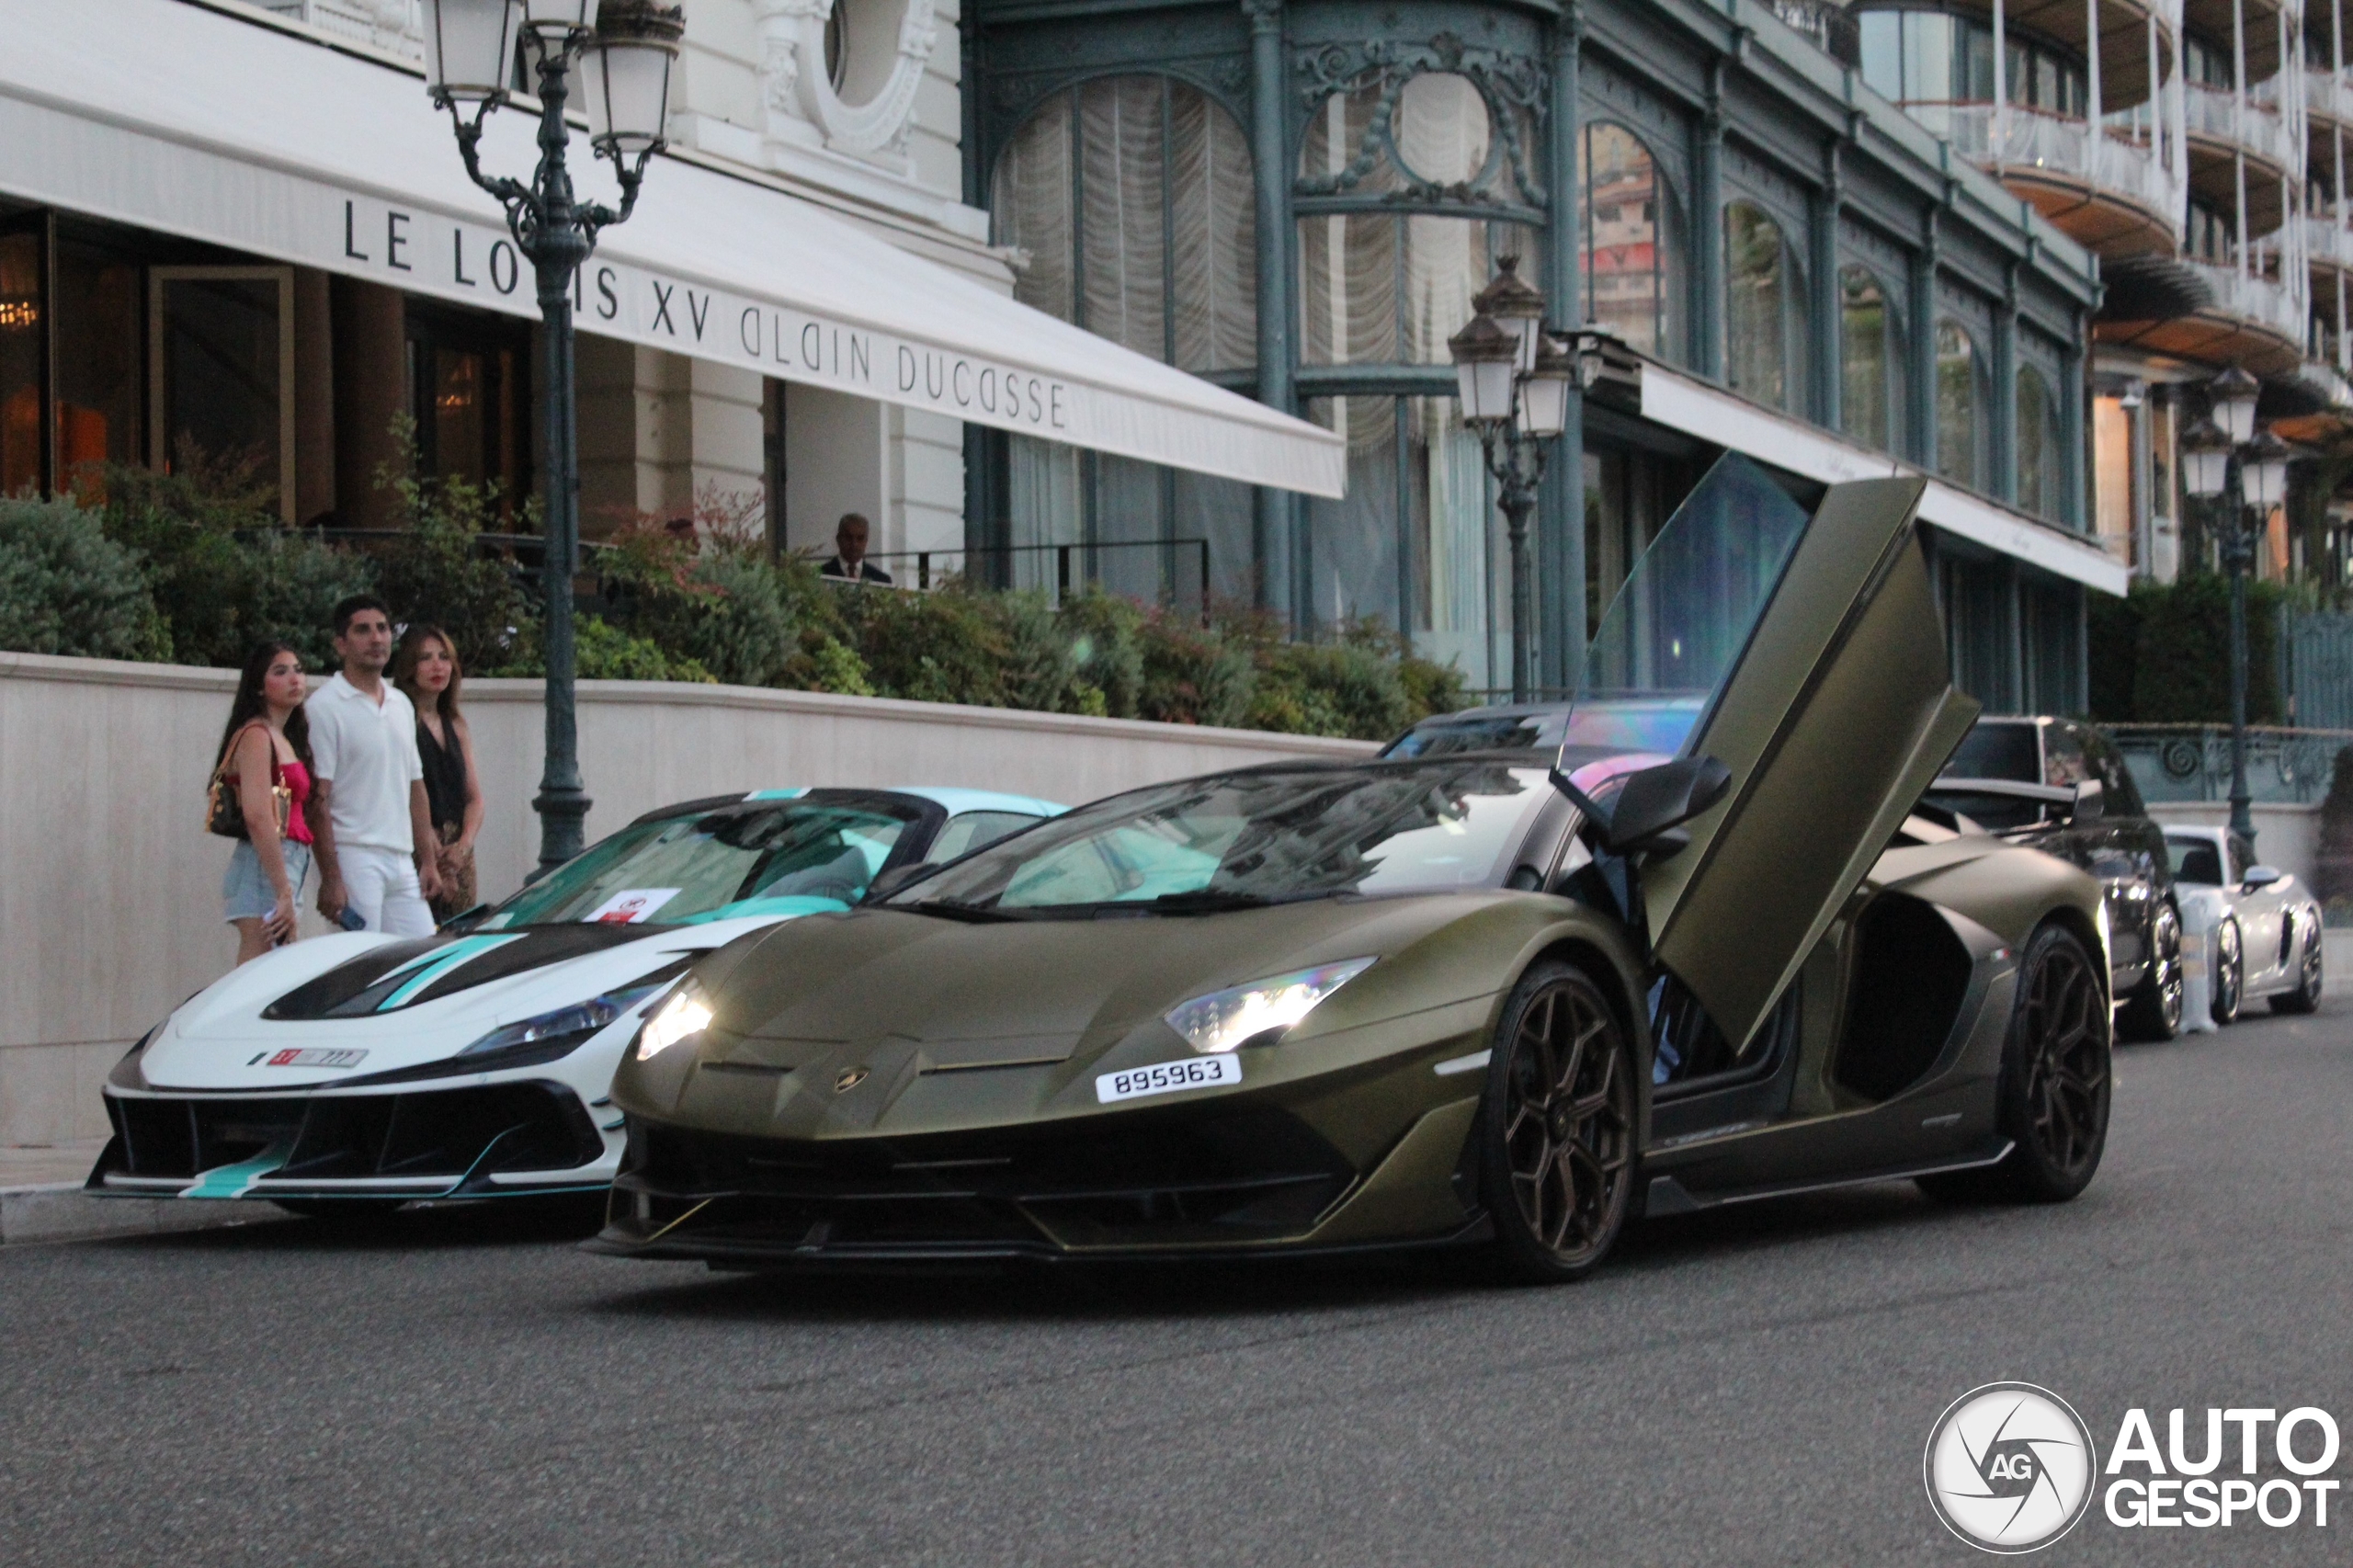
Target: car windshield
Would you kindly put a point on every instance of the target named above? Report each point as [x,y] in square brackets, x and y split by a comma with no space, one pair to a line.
[1997,751]
[784,857]
[1990,811]
[1676,629]
[2195,860]
[1258,837]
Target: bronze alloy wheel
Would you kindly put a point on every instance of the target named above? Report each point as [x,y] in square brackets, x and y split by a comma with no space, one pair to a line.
[2053,1098]
[2063,1021]
[1560,1120]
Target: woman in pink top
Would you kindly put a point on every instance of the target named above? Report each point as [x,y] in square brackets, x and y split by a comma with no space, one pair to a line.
[267,743]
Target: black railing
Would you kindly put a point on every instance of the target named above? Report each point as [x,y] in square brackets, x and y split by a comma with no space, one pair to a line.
[1075,565]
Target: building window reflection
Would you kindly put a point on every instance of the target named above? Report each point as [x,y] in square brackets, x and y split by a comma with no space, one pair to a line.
[1959,428]
[1630,283]
[2038,445]
[1870,337]
[1763,327]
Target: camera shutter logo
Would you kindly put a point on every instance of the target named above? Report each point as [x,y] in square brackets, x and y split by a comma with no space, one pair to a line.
[2010,1467]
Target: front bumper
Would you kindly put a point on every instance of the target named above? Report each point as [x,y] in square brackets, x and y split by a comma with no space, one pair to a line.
[1209,1180]
[502,1139]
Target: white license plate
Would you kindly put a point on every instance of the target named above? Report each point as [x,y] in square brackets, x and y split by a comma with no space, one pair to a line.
[314,1058]
[1167,1078]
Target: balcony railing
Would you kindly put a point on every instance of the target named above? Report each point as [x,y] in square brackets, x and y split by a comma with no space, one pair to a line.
[397,26]
[2327,240]
[2063,148]
[2214,112]
[2326,94]
[2277,306]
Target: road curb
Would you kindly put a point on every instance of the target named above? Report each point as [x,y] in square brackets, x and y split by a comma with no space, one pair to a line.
[64,1213]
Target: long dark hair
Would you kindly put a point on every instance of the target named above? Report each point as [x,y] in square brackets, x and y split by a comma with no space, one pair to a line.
[404,659]
[251,705]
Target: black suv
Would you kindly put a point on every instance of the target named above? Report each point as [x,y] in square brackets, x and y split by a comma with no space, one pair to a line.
[2063,787]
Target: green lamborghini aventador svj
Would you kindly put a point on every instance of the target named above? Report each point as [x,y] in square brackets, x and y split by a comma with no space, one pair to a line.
[1709,951]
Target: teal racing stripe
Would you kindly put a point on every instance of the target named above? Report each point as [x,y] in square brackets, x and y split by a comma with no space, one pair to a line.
[235,1181]
[445,961]
[776,794]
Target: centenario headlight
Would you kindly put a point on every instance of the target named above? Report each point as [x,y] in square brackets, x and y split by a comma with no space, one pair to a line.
[561,1029]
[1226,1021]
[684,1015]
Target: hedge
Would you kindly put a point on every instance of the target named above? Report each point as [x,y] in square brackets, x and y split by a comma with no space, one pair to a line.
[2162,655]
[193,566]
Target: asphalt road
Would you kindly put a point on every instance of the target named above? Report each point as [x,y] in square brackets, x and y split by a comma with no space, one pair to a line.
[1734,1389]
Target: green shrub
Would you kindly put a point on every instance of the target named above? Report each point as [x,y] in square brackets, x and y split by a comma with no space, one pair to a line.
[2114,627]
[1333,688]
[226,573]
[434,570]
[2333,867]
[1193,675]
[2181,670]
[938,647]
[1107,643]
[826,664]
[601,652]
[66,588]
[715,600]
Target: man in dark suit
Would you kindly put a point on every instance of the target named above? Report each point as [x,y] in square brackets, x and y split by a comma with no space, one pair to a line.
[849,554]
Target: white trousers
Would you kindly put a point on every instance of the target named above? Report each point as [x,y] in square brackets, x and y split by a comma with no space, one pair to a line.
[381,885]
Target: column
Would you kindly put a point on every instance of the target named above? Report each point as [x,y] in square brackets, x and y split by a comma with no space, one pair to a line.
[2091,90]
[1560,516]
[1922,318]
[2071,424]
[1277,543]
[1708,231]
[2005,442]
[2001,137]
[2238,126]
[1826,318]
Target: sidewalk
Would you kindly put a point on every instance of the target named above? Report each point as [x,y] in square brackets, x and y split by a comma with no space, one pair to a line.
[41,1200]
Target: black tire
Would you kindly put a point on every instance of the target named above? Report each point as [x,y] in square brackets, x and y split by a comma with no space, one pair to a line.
[2230,974]
[348,1211]
[2306,997]
[2154,1013]
[1557,1126]
[2053,1097]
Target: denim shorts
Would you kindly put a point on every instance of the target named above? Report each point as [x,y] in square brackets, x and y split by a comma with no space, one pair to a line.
[245,892]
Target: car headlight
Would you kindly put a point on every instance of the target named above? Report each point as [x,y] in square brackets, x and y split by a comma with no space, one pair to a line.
[684,1015]
[567,1027]
[1223,1020]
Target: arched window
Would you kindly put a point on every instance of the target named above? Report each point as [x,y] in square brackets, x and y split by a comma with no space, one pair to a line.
[2038,445]
[1133,196]
[1872,383]
[1763,332]
[1957,400]
[1631,282]
[1389,287]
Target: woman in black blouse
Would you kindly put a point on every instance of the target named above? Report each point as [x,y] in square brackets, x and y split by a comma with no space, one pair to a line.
[425,669]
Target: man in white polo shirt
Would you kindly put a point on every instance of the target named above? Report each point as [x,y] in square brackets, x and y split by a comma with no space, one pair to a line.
[374,833]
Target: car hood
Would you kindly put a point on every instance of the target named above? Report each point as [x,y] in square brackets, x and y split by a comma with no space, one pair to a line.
[919,1005]
[398,1003]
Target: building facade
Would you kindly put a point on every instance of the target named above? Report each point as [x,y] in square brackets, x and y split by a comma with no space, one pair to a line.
[1299,198]
[2212,192]
[237,232]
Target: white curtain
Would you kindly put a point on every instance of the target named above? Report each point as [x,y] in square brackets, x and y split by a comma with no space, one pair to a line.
[1123,171]
[1214,199]
[1032,205]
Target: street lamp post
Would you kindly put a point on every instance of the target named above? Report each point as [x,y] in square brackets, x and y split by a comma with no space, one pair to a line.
[623,49]
[1513,379]
[2226,454]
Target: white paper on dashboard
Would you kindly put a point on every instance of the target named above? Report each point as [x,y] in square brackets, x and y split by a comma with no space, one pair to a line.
[630,905]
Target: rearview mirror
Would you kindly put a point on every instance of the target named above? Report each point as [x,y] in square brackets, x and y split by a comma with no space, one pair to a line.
[2262,877]
[1640,810]
[2091,801]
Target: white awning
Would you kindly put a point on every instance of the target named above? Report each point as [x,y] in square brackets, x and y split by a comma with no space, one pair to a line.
[168,117]
[1683,402]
